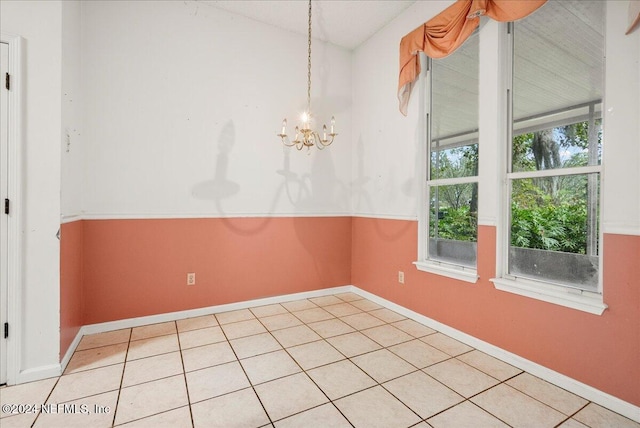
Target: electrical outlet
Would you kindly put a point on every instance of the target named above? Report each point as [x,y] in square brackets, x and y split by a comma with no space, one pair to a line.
[191,278]
[401,277]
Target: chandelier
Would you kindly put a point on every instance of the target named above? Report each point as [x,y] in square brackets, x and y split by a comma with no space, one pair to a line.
[305,136]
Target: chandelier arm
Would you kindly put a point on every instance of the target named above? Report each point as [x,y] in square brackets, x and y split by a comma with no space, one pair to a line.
[321,143]
[317,140]
[328,142]
[286,141]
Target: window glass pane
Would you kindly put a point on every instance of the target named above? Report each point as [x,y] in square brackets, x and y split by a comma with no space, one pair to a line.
[558,69]
[554,229]
[453,223]
[454,112]
[571,145]
[454,162]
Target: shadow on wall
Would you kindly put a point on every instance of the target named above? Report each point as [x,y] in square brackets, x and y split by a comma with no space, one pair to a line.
[359,193]
[362,199]
[220,187]
[305,192]
[321,188]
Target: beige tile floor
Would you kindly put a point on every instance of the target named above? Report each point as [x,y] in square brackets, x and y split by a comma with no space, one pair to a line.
[334,361]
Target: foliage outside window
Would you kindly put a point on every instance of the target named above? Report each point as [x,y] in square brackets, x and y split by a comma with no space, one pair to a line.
[556,145]
[452,180]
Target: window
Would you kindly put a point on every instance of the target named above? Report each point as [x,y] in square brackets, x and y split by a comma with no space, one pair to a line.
[448,220]
[555,148]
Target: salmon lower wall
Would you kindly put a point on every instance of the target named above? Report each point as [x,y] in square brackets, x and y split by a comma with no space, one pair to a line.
[135,268]
[71,243]
[600,351]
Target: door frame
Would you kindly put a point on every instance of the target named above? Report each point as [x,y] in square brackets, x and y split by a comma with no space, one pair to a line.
[14,236]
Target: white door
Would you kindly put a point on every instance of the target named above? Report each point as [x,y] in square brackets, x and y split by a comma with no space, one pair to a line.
[4,218]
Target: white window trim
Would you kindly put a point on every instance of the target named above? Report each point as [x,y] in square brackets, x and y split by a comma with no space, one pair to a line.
[558,172]
[559,295]
[452,181]
[574,298]
[424,264]
[447,269]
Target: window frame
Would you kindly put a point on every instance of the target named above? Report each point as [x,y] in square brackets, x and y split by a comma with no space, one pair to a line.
[424,263]
[548,291]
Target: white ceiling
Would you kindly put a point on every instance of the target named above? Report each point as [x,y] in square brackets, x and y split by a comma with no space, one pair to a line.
[558,60]
[570,71]
[346,23]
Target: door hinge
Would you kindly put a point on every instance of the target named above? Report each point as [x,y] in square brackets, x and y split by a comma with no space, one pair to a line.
[6,206]
[6,330]
[7,81]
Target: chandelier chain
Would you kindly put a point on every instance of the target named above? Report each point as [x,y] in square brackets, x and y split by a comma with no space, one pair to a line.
[309,66]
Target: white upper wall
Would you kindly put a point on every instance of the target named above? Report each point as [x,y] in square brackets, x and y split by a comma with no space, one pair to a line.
[183,102]
[72,149]
[386,163]
[39,24]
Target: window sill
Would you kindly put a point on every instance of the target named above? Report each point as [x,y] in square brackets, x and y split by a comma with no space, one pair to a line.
[462,274]
[564,296]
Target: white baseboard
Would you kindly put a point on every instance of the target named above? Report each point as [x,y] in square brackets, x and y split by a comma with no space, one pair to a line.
[72,348]
[590,393]
[39,373]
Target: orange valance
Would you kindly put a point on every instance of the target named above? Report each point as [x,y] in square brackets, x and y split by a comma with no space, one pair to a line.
[444,33]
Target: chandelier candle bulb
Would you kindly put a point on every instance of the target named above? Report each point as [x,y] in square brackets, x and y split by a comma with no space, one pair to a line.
[333,122]
[324,132]
[284,126]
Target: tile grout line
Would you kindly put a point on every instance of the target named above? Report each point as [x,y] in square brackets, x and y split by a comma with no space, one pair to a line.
[184,376]
[347,358]
[455,357]
[536,399]
[575,413]
[488,412]
[382,347]
[501,383]
[45,400]
[376,382]
[152,380]
[245,374]
[451,357]
[542,402]
[421,370]
[124,367]
[302,370]
[310,378]
[467,399]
